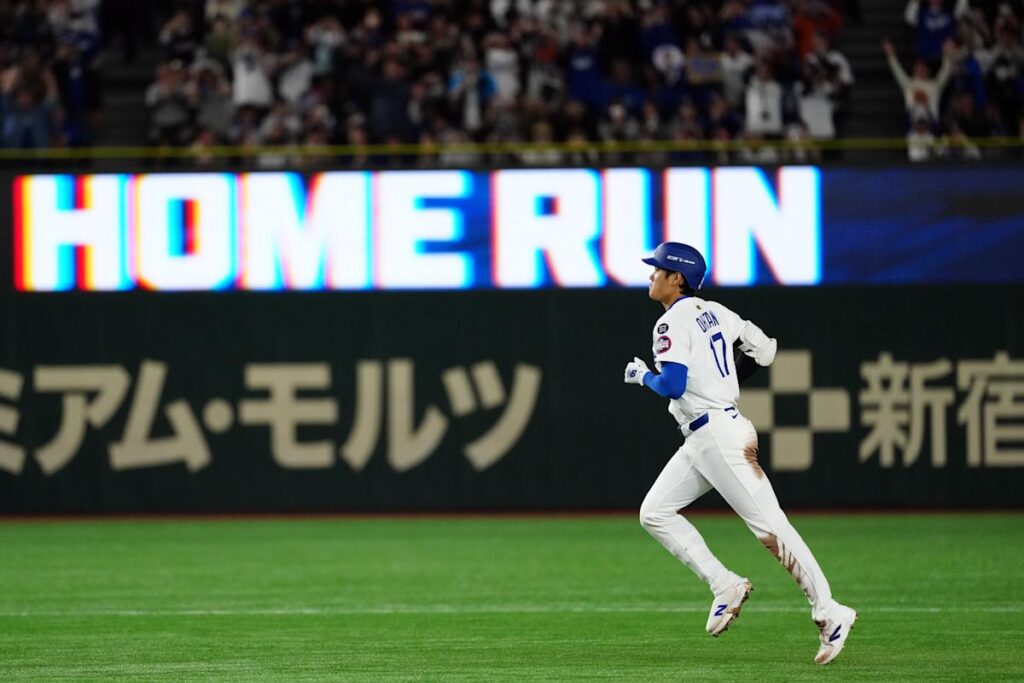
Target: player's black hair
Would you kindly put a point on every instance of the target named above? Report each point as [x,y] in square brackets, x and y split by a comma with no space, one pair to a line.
[685,287]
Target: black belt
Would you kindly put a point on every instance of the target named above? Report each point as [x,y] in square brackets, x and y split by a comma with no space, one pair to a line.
[703,420]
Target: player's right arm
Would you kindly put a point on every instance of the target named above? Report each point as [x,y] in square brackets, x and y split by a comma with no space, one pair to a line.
[669,383]
[671,347]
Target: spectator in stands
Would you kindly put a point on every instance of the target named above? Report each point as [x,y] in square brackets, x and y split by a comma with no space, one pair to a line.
[73,16]
[723,123]
[736,66]
[833,64]
[246,127]
[764,103]
[28,114]
[169,106]
[699,22]
[967,76]
[502,64]
[279,127]
[74,68]
[965,117]
[921,92]
[814,18]
[651,127]
[583,73]
[836,80]
[1005,81]
[768,26]
[320,121]
[252,66]
[325,36]
[358,139]
[801,148]
[179,37]
[49,90]
[389,104]
[221,42]
[452,155]
[668,78]
[703,72]
[201,147]
[541,133]
[656,30]
[294,74]
[994,121]
[470,91]
[956,145]
[30,24]
[210,95]
[576,120]
[816,101]
[622,88]
[686,124]
[620,32]
[934,25]
[618,125]
[227,10]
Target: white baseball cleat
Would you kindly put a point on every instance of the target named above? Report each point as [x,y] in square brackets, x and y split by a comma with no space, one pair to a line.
[834,632]
[727,605]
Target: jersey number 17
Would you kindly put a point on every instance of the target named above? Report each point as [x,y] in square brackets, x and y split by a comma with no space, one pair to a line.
[722,361]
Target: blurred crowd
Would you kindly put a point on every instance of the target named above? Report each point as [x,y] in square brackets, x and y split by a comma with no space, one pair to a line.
[722,76]
[967,78]
[49,84]
[437,72]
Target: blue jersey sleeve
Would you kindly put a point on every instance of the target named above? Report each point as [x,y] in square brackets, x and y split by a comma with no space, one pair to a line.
[671,383]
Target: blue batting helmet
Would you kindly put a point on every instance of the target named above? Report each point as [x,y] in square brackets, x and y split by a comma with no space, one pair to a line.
[680,258]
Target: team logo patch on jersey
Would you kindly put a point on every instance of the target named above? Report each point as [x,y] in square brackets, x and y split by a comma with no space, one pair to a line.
[663,328]
[662,344]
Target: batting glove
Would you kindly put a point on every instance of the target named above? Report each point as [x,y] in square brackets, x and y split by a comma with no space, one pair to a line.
[635,372]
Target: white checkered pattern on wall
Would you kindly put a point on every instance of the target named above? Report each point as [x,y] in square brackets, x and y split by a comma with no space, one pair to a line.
[792,448]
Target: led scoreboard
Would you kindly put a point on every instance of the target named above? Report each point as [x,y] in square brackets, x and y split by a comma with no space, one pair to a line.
[509,229]
[408,229]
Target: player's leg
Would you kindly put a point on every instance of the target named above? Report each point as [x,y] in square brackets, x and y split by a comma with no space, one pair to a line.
[726,455]
[678,485]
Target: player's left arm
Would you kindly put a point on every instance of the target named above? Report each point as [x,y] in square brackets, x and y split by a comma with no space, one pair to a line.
[756,344]
[744,364]
[753,349]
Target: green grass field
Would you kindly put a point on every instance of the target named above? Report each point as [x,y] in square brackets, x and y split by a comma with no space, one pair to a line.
[940,598]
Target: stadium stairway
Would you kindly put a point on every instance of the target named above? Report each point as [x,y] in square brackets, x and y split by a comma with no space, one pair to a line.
[876,103]
[125,118]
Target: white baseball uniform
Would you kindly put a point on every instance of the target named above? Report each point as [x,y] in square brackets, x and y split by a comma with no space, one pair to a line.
[720,450]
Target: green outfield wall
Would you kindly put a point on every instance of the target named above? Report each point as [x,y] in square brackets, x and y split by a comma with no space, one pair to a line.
[490,400]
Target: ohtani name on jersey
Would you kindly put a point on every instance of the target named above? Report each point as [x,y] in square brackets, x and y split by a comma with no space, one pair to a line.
[706,321]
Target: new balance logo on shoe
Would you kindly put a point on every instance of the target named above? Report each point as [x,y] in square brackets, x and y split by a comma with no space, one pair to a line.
[835,634]
[720,610]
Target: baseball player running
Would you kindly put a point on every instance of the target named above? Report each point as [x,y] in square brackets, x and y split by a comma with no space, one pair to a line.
[696,371]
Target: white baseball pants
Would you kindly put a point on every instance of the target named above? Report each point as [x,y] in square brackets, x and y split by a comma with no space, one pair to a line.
[723,455]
